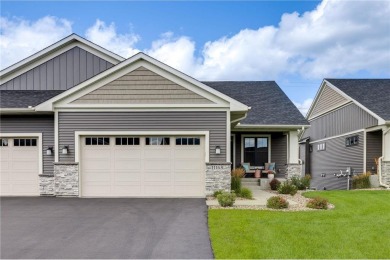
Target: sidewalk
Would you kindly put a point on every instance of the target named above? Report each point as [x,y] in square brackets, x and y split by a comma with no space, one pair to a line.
[259,198]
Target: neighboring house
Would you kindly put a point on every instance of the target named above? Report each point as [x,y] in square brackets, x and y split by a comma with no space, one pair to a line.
[349,127]
[78,120]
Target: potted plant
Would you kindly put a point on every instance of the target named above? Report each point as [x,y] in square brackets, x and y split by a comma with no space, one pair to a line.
[257,173]
[271,174]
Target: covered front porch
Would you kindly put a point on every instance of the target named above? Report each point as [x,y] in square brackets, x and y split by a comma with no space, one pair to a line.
[264,149]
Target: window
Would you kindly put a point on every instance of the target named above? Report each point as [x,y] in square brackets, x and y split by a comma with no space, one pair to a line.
[97,141]
[352,140]
[25,142]
[157,140]
[321,147]
[3,142]
[187,141]
[127,141]
[256,150]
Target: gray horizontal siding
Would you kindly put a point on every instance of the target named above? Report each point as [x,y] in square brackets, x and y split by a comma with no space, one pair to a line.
[60,73]
[373,149]
[329,99]
[33,124]
[341,121]
[336,157]
[215,122]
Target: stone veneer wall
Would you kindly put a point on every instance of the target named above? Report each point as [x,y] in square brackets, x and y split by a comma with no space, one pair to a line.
[46,185]
[217,177]
[66,179]
[293,169]
[386,172]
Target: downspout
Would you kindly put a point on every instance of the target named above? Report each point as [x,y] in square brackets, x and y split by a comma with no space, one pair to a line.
[380,166]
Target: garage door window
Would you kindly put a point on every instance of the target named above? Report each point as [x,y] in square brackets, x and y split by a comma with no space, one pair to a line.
[157,140]
[97,141]
[3,142]
[25,142]
[127,140]
[188,141]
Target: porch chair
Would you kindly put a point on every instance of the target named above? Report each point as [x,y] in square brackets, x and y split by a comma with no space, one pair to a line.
[268,167]
[246,167]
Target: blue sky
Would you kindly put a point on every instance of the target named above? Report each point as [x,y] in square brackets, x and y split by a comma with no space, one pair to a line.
[296,43]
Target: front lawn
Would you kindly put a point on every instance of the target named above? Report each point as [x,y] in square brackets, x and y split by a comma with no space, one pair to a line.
[359,227]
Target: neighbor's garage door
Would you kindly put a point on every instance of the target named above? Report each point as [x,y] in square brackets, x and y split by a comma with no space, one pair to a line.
[19,167]
[143,166]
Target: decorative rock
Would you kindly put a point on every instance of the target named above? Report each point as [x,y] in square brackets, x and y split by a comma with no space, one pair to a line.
[46,185]
[293,169]
[386,172]
[66,179]
[217,177]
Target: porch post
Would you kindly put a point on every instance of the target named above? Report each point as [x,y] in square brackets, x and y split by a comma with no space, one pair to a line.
[293,166]
[386,157]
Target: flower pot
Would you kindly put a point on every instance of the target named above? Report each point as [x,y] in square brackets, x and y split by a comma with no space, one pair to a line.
[257,173]
[271,176]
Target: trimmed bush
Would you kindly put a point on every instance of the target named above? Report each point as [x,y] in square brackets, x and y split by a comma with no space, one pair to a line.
[274,184]
[317,203]
[361,181]
[287,188]
[301,182]
[277,202]
[226,199]
[217,192]
[246,193]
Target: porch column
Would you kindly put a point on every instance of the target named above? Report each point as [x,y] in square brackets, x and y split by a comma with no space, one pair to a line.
[293,166]
[386,156]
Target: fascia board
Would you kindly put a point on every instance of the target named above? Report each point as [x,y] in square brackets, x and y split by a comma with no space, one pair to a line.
[54,50]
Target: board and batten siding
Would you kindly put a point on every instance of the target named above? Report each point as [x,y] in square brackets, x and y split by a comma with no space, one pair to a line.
[214,122]
[142,86]
[373,149]
[33,124]
[302,156]
[329,98]
[60,73]
[343,120]
[336,157]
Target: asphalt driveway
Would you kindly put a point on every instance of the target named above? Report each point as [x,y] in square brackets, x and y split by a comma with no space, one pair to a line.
[47,227]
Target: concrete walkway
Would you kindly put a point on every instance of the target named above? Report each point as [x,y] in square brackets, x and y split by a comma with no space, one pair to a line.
[260,198]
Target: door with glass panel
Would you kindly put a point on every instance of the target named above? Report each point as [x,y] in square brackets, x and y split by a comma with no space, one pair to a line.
[256,150]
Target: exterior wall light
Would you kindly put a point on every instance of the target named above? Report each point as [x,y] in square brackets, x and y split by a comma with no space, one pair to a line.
[49,151]
[217,150]
[65,149]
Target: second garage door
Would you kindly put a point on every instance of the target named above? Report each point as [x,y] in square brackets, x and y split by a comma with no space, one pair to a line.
[132,166]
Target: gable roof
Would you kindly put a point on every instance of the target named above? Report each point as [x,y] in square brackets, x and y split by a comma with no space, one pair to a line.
[132,63]
[25,98]
[374,94]
[54,50]
[269,104]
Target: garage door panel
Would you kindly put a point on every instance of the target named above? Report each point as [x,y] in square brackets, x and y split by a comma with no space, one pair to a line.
[127,190]
[157,153]
[187,176]
[127,153]
[96,176]
[153,189]
[127,176]
[158,176]
[187,189]
[187,165]
[128,165]
[95,189]
[157,164]
[98,165]
[188,153]
[97,154]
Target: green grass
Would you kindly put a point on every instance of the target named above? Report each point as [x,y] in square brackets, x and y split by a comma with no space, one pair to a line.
[359,227]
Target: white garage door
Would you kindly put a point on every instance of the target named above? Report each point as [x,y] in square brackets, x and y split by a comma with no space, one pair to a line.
[19,167]
[143,166]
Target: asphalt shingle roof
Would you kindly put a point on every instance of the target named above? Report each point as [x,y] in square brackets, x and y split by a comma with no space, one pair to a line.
[25,98]
[374,94]
[269,104]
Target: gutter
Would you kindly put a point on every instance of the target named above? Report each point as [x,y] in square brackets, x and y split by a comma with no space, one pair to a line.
[274,126]
[17,110]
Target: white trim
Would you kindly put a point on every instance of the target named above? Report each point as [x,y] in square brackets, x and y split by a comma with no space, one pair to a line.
[54,50]
[336,136]
[131,64]
[233,137]
[365,151]
[240,126]
[40,145]
[255,136]
[56,147]
[141,109]
[16,110]
[228,144]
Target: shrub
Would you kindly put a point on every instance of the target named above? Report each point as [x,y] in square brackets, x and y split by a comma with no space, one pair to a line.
[361,181]
[217,192]
[236,184]
[246,193]
[287,188]
[238,172]
[277,202]
[274,184]
[317,203]
[301,182]
[226,199]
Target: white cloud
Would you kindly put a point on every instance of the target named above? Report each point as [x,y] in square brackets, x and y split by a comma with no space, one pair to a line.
[21,38]
[107,37]
[304,106]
